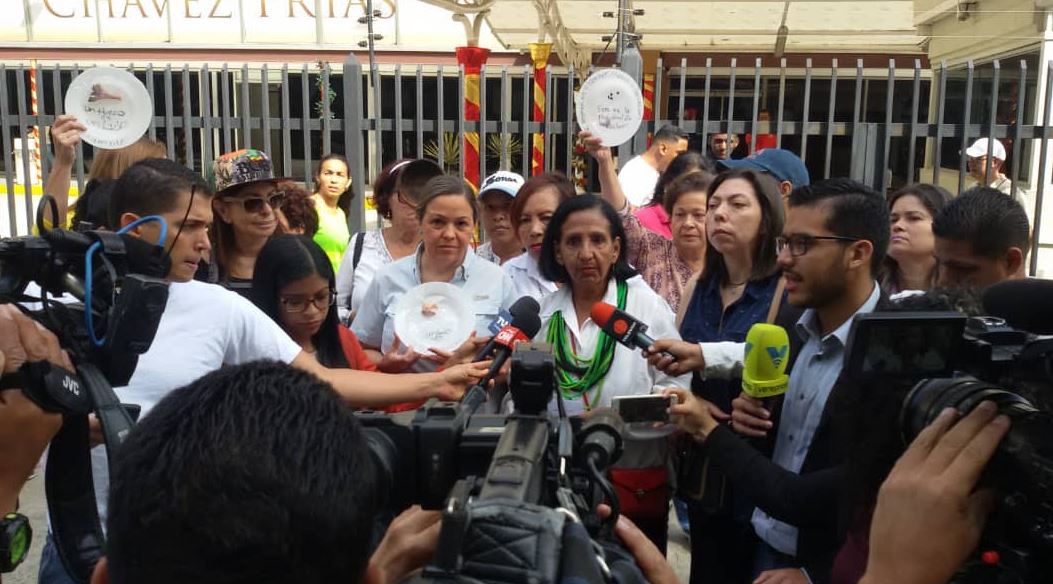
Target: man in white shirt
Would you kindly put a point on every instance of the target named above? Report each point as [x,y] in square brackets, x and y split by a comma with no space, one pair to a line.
[205,326]
[996,179]
[639,176]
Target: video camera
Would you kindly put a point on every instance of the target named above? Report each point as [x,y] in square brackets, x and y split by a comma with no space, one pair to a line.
[944,359]
[118,280]
[519,493]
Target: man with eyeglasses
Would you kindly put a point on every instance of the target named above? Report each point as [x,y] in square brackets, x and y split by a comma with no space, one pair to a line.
[834,240]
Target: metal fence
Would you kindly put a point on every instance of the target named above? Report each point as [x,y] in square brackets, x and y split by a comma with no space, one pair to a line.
[832,117]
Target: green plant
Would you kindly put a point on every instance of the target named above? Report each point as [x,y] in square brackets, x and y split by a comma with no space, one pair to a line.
[451,149]
[324,93]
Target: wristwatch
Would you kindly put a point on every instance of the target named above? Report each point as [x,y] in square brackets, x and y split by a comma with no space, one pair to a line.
[15,536]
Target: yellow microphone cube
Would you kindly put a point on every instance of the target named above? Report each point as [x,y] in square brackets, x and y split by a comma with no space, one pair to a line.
[764,368]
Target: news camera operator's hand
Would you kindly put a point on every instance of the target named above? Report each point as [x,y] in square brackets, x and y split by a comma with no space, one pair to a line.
[686,357]
[694,415]
[649,559]
[928,517]
[25,429]
[457,379]
[408,545]
[749,417]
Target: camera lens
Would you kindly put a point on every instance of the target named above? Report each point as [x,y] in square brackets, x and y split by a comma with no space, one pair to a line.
[931,396]
[385,459]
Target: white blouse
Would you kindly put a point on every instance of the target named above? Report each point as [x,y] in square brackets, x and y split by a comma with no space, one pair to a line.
[527,279]
[630,373]
[352,282]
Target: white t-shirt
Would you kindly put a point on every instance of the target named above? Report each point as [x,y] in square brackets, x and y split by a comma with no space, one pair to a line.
[203,327]
[638,180]
[352,282]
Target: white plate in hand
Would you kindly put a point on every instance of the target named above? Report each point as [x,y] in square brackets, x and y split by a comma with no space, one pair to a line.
[434,315]
[113,104]
[610,106]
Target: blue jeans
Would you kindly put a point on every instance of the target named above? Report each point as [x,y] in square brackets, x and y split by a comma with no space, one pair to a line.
[51,569]
[681,515]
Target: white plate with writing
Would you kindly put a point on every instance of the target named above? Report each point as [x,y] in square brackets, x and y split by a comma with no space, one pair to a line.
[434,315]
[113,104]
[610,106]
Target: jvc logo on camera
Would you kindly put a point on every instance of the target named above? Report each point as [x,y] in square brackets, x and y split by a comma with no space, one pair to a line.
[71,385]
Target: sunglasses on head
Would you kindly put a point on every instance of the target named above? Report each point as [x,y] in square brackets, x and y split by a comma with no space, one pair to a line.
[255,204]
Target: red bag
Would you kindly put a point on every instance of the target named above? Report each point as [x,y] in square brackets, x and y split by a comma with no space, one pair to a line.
[642,492]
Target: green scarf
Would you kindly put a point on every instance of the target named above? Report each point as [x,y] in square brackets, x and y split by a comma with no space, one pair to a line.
[575,375]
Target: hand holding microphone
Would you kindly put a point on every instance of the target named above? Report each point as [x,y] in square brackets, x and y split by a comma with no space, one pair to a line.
[675,357]
[525,324]
[629,331]
[763,376]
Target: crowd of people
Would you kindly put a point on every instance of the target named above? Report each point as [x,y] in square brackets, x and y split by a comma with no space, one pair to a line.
[280,321]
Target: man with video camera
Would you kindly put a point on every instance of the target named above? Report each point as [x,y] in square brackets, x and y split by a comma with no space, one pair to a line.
[204,327]
[25,429]
[259,473]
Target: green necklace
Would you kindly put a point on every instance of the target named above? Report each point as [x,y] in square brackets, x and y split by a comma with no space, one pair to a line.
[574,374]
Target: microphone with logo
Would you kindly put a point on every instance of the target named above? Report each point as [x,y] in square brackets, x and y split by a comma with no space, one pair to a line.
[526,322]
[525,305]
[764,367]
[622,327]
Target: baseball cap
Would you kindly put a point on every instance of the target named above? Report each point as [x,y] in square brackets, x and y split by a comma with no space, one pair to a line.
[504,181]
[780,163]
[979,148]
[241,168]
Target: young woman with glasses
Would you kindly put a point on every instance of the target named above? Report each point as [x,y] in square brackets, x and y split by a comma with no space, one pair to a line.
[295,286]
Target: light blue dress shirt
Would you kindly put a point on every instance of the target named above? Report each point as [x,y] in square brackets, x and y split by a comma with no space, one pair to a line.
[485,286]
[814,373]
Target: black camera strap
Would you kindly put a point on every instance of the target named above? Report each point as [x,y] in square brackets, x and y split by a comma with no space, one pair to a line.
[75,525]
[76,528]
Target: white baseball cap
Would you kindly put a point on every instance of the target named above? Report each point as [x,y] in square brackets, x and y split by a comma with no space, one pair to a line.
[504,181]
[979,148]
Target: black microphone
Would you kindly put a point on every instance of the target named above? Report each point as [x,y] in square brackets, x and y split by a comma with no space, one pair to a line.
[524,326]
[1024,304]
[525,305]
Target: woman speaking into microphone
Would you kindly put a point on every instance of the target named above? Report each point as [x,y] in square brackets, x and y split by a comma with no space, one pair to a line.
[584,251]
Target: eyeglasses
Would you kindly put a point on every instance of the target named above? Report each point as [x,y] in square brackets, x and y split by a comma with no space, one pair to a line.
[800,244]
[255,204]
[299,304]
